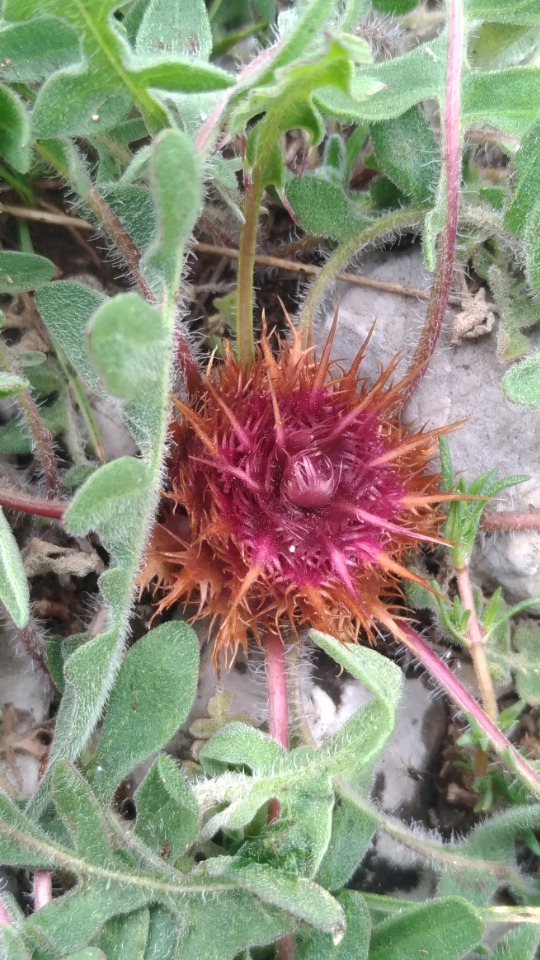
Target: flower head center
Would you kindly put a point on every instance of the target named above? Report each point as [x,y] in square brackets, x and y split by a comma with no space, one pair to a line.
[309,480]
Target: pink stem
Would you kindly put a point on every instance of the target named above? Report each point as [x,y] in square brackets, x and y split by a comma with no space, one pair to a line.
[443,675]
[452,169]
[4,915]
[37,506]
[511,520]
[42,888]
[278,706]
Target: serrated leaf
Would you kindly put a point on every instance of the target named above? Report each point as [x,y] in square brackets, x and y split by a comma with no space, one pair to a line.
[20,272]
[151,697]
[177,194]
[66,308]
[14,592]
[127,341]
[167,812]
[406,152]
[355,943]
[445,929]
[168,28]
[31,51]
[522,382]
[14,130]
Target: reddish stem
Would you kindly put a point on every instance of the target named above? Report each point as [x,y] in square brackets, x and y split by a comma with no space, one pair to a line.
[38,506]
[42,888]
[452,169]
[511,520]
[4,915]
[477,647]
[278,705]
[444,676]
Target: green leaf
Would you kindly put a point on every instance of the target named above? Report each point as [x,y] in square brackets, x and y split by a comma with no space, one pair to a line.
[14,131]
[11,383]
[20,272]
[352,833]
[22,844]
[163,935]
[31,51]
[526,640]
[13,944]
[445,928]
[167,28]
[406,152]
[398,7]
[127,340]
[125,938]
[323,208]
[504,11]
[521,943]
[525,191]
[355,943]
[247,923]
[166,809]
[177,75]
[508,99]
[14,592]
[151,697]
[88,833]
[522,382]
[177,193]
[111,501]
[301,897]
[73,103]
[66,308]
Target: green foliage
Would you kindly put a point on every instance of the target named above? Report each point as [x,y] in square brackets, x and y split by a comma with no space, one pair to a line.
[124,103]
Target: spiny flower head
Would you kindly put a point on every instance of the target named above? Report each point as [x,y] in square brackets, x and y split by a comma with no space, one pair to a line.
[297,496]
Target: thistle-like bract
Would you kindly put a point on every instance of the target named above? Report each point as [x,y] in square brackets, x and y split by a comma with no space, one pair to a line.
[297,496]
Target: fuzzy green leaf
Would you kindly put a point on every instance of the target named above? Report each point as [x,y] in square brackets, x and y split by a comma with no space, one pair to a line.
[354,945]
[247,923]
[522,382]
[164,933]
[521,943]
[508,99]
[525,191]
[66,308]
[32,51]
[352,833]
[151,697]
[322,207]
[14,592]
[406,152]
[526,663]
[13,945]
[504,11]
[22,844]
[20,272]
[125,938]
[73,103]
[127,340]
[166,809]
[176,189]
[168,28]
[111,501]
[14,131]
[446,929]
[88,833]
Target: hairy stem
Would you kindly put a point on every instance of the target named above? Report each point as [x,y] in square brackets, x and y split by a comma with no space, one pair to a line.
[34,647]
[477,646]
[382,227]
[41,435]
[4,915]
[278,724]
[38,506]
[451,171]
[246,263]
[511,520]
[442,674]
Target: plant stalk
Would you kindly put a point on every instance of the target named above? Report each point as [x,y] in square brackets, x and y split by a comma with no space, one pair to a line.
[38,506]
[451,170]
[42,888]
[246,265]
[442,674]
[511,520]
[477,646]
